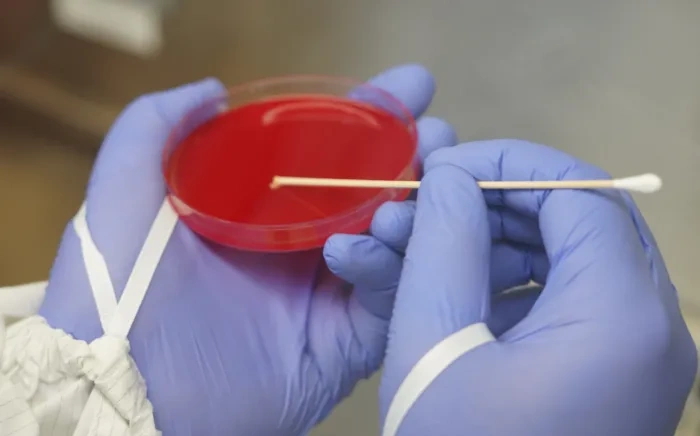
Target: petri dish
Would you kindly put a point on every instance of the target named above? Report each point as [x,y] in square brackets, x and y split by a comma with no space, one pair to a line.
[220,159]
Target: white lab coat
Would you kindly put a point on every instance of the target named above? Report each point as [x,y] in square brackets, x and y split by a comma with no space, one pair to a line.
[54,385]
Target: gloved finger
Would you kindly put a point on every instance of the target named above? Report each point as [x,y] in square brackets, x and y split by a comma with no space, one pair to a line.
[393,223]
[511,264]
[433,134]
[374,271]
[413,85]
[510,226]
[354,258]
[591,241]
[370,266]
[656,262]
[517,265]
[126,187]
[508,309]
[444,284]
[685,351]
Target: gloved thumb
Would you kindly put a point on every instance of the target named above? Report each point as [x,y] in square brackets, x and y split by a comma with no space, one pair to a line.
[127,186]
[125,191]
[444,286]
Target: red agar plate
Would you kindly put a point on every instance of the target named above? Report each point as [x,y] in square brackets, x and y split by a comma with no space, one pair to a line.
[221,158]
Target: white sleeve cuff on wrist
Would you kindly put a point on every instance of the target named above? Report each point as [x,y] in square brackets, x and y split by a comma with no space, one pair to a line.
[54,385]
[47,377]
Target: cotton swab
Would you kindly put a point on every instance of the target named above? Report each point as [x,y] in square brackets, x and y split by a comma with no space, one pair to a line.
[644,183]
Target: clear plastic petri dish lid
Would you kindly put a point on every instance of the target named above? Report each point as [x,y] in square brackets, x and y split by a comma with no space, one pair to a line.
[221,157]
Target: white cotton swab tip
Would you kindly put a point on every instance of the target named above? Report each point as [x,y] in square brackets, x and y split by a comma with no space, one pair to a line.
[644,183]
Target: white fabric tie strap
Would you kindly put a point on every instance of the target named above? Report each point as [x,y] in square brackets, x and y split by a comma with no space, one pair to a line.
[52,384]
[429,367]
[96,269]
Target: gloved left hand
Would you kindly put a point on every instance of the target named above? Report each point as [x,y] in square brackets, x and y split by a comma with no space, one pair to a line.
[231,342]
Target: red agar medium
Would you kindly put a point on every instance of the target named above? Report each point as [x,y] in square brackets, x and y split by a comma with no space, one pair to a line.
[219,176]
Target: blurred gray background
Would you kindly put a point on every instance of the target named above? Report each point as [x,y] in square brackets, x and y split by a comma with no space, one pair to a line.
[615,82]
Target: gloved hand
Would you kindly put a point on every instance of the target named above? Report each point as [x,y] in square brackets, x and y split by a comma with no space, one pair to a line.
[232,342]
[602,350]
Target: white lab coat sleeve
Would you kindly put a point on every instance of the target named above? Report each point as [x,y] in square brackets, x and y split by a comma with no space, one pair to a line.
[54,385]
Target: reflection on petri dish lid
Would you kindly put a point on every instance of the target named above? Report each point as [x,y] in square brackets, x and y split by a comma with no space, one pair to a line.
[219,165]
[320,110]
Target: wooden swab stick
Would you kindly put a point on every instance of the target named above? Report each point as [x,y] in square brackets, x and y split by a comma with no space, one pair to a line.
[644,183]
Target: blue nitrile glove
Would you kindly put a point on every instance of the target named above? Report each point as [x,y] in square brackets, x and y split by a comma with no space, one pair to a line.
[602,350]
[232,342]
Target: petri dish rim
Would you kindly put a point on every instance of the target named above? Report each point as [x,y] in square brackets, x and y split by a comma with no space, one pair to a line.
[406,118]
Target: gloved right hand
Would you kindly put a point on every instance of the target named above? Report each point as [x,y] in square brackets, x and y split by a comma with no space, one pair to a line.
[602,350]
